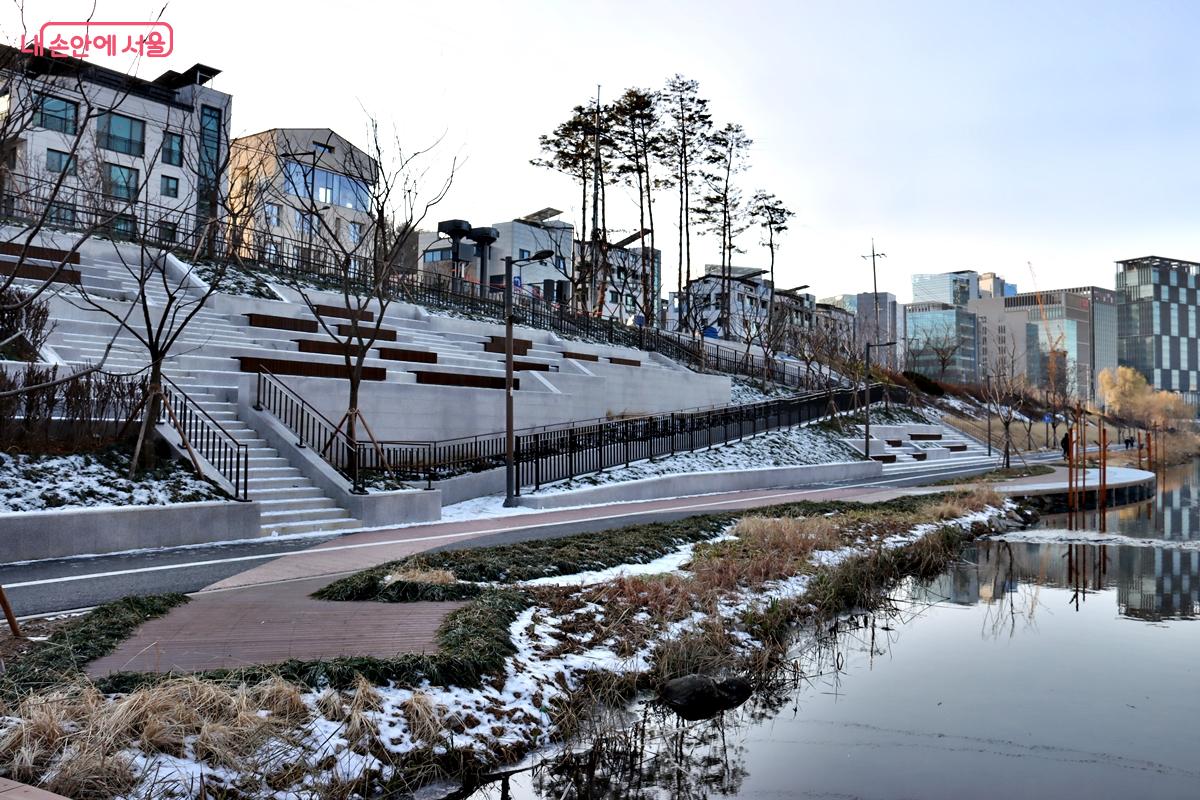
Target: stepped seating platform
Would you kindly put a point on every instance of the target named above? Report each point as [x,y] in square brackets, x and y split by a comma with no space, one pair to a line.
[899,444]
[310,369]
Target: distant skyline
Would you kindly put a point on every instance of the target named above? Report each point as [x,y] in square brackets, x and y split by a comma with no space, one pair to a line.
[960,135]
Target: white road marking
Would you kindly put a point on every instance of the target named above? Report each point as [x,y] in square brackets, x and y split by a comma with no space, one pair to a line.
[322,550]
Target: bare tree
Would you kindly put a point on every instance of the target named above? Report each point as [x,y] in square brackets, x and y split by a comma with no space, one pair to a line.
[366,265]
[686,131]
[722,209]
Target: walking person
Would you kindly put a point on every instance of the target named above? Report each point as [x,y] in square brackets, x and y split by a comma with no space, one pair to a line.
[1066,446]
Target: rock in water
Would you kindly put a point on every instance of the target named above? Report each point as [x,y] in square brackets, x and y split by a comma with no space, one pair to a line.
[695,697]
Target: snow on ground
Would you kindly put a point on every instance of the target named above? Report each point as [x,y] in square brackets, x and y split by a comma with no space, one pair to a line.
[37,483]
[812,444]
[960,406]
[671,562]
[1052,536]
[552,659]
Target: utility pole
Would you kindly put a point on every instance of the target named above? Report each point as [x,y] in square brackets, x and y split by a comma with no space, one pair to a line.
[875,284]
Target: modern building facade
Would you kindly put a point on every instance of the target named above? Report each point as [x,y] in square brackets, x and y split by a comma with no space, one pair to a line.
[1061,337]
[304,194]
[626,276]
[750,306]
[942,341]
[954,288]
[992,285]
[880,318]
[136,157]
[519,238]
[1156,322]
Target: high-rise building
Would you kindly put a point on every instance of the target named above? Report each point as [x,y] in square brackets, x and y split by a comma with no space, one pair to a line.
[1064,335]
[954,288]
[1157,332]
[942,341]
[992,285]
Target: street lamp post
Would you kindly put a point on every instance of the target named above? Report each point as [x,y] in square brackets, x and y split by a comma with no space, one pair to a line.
[867,399]
[510,464]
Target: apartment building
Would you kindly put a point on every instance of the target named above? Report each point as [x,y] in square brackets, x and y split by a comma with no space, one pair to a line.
[135,156]
[304,196]
[483,264]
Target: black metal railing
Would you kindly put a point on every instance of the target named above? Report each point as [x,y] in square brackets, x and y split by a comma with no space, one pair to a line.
[208,438]
[311,428]
[557,452]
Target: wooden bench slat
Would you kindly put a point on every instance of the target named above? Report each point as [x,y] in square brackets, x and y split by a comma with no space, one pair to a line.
[403,354]
[350,329]
[38,272]
[345,313]
[308,369]
[580,356]
[463,379]
[283,323]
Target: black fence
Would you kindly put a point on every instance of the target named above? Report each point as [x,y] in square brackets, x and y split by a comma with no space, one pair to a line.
[208,438]
[554,453]
[561,454]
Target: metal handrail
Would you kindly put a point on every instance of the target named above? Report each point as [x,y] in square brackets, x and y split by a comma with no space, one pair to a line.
[311,428]
[229,456]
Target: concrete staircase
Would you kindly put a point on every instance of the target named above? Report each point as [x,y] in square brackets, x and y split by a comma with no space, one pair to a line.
[290,502]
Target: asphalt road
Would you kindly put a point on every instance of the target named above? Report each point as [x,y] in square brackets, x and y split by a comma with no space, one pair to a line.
[43,587]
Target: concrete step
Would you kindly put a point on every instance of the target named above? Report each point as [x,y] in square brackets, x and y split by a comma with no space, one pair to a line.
[272,493]
[295,504]
[284,529]
[273,472]
[284,517]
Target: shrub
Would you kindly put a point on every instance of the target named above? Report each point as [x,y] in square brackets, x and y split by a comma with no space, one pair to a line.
[925,384]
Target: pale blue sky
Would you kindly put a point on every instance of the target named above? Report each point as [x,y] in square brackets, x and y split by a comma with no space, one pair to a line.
[960,135]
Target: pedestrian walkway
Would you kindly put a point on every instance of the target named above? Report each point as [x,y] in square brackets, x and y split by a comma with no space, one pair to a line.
[11,790]
[266,614]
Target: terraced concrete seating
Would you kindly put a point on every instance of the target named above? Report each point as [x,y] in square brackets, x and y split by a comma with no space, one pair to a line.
[345,313]
[283,323]
[40,272]
[402,354]
[463,379]
[310,369]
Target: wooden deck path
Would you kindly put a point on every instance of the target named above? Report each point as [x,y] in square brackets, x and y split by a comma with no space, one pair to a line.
[270,624]
[265,614]
[11,790]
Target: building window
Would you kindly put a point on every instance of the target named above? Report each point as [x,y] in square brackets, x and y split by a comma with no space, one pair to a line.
[614,297]
[325,186]
[560,262]
[305,223]
[122,226]
[208,167]
[441,254]
[56,114]
[172,150]
[167,232]
[271,252]
[121,134]
[272,214]
[355,233]
[120,182]
[62,214]
[322,148]
[522,254]
[58,161]
[168,186]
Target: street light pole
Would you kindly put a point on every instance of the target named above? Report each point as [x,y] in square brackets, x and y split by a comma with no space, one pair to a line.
[510,460]
[988,380]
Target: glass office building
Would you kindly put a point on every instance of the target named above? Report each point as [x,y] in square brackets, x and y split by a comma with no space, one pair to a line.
[1156,322]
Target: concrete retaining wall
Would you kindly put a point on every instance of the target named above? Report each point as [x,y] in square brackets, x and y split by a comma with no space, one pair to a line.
[469,486]
[372,510]
[35,535]
[695,483]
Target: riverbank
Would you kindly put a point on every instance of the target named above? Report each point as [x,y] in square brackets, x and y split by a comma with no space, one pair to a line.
[551,630]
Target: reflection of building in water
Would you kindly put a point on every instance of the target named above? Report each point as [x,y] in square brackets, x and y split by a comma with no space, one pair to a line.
[1157,582]
[1151,582]
[1172,515]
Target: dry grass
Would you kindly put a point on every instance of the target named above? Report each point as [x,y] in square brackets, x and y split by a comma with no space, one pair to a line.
[437,577]
[766,549]
[424,718]
[72,741]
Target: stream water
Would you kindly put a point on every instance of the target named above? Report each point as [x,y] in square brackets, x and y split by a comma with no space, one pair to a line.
[1031,669]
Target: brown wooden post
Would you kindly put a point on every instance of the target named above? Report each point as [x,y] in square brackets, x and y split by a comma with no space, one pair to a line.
[9,615]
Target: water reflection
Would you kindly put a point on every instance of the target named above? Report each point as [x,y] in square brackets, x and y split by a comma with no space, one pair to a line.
[1151,583]
[1172,514]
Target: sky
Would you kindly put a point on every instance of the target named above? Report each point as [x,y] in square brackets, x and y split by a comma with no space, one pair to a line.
[1039,140]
